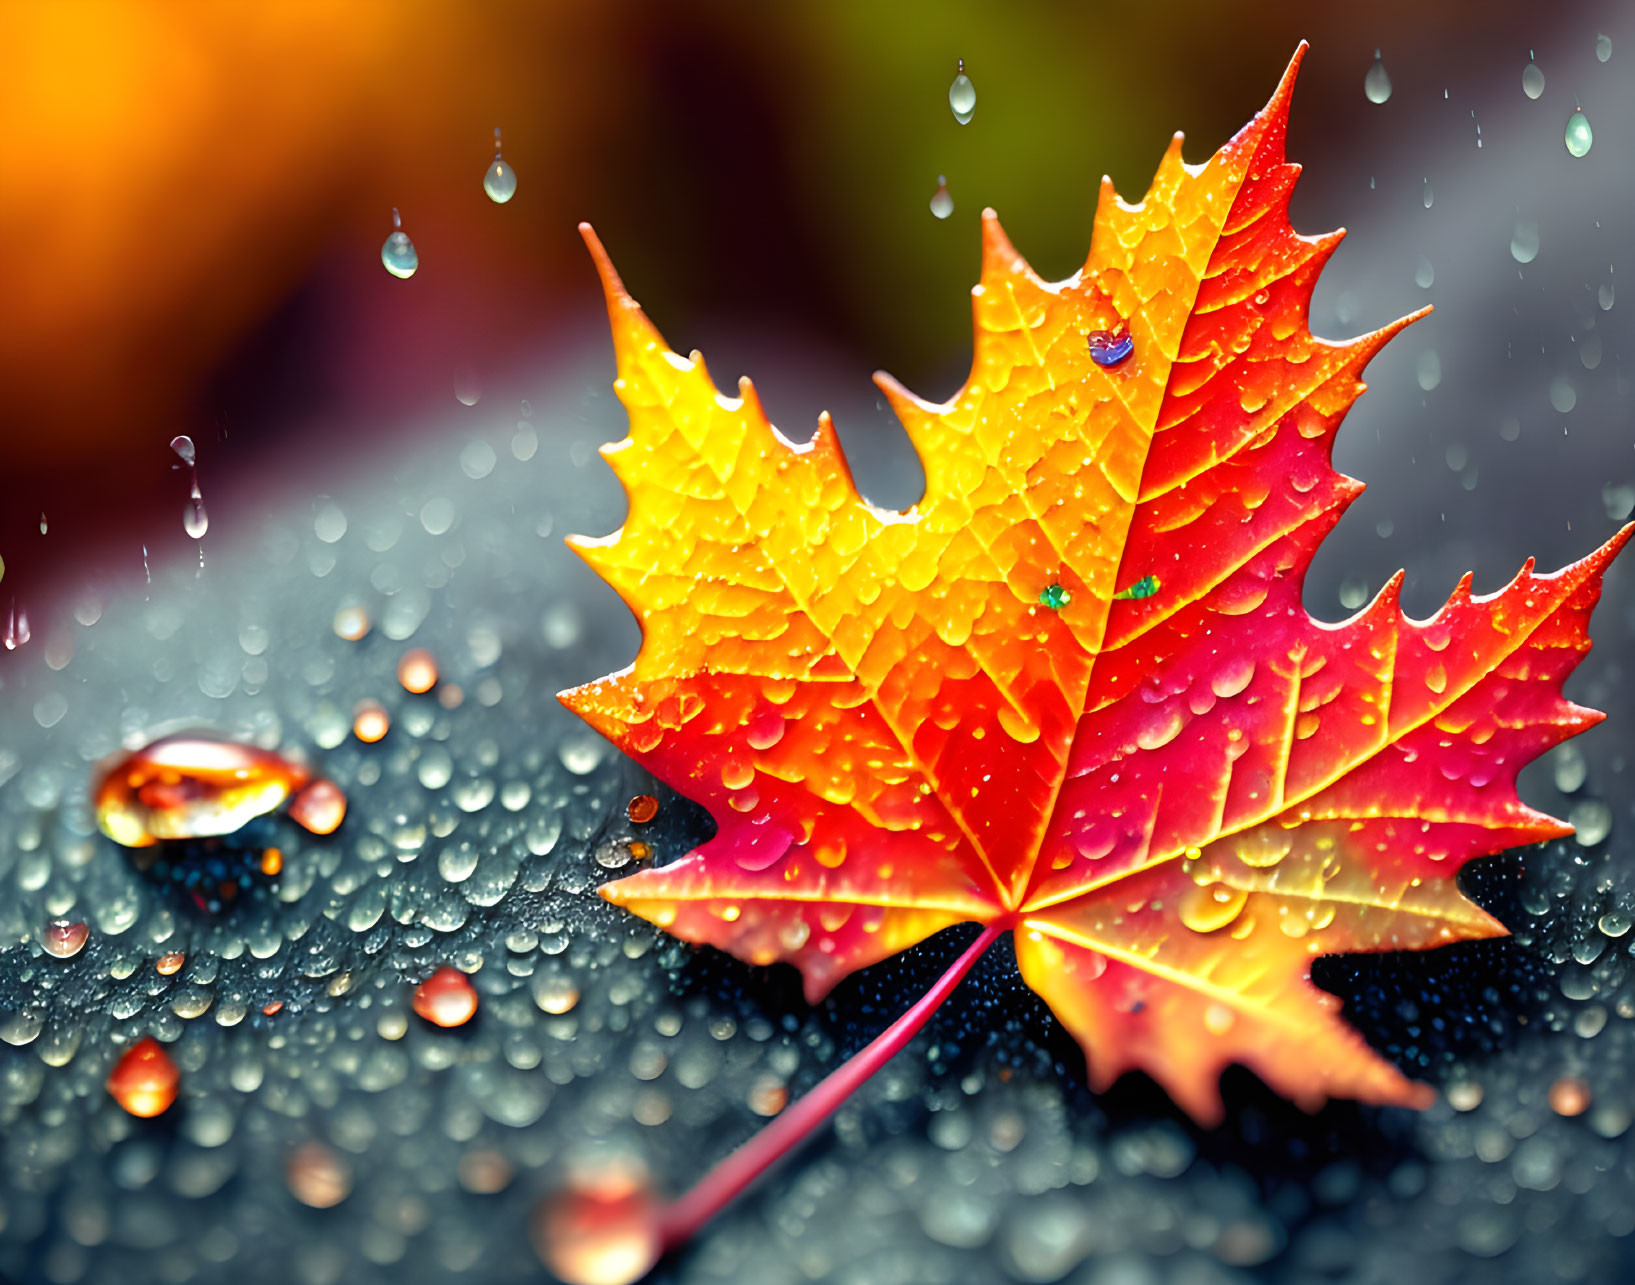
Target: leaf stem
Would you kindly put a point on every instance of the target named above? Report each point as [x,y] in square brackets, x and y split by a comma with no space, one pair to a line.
[682,1218]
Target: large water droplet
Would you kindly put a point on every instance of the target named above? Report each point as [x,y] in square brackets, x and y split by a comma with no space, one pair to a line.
[398,254]
[1377,83]
[1603,48]
[1532,79]
[144,1080]
[1579,135]
[500,182]
[942,204]
[182,444]
[962,96]
[184,787]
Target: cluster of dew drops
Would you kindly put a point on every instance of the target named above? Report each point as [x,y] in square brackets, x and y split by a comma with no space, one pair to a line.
[1578,136]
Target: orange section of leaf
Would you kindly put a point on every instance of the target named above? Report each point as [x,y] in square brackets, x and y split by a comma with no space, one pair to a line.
[903,721]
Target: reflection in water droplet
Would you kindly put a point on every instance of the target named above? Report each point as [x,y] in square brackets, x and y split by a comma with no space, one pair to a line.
[1109,347]
[64,939]
[195,521]
[184,787]
[1579,135]
[1377,83]
[398,254]
[962,96]
[446,998]
[144,1080]
[1524,241]
[942,204]
[1532,79]
[1603,48]
[500,182]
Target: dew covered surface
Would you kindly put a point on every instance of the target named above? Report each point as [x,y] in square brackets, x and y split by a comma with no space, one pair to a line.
[339,1137]
[342,1138]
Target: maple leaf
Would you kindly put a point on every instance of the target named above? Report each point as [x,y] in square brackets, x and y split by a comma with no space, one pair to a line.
[1073,692]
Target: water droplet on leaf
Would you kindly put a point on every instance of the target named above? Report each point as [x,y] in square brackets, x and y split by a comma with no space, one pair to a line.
[1109,347]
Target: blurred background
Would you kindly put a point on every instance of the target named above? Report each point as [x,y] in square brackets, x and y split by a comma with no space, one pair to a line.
[195,196]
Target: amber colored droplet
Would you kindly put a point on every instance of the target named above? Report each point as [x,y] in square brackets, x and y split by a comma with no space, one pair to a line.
[417,671]
[64,939]
[370,721]
[450,695]
[171,963]
[188,787]
[320,807]
[446,998]
[351,623]
[602,1229]
[144,1080]
[639,851]
[317,1176]
[272,862]
[1569,1096]
[768,1096]
[274,1008]
[642,809]
[484,1172]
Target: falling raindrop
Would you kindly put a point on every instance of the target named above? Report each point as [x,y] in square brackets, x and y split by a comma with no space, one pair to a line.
[942,205]
[398,254]
[468,387]
[43,527]
[1424,274]
[501,180]
[1377,83]
[195,521]
[962,96]
[1603,48]
[1532,79]
[17,631]
[64,938]
[1604,296]
[1524,241]
[182,444]
[1429,195]
[1579,136]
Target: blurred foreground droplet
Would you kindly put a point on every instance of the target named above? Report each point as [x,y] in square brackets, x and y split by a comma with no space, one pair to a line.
[417,671]
[319,807]
[144,1080]
[1377,83]
[602,1228]
[398,254]
[942,204]
[317,1177]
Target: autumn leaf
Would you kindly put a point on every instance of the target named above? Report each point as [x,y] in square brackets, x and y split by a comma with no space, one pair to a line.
[1073,692]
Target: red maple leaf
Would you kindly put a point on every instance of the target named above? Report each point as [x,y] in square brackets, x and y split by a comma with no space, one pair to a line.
[1073,692]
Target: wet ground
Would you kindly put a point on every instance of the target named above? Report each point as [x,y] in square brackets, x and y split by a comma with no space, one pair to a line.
[481,825]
